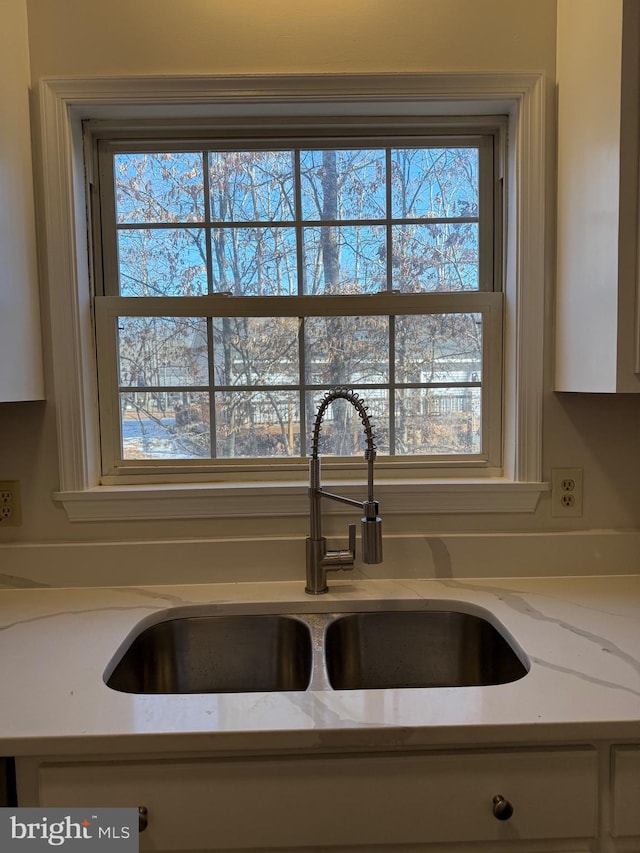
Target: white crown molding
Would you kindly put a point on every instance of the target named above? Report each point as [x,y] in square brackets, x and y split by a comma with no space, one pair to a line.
[64,103]
[152,95]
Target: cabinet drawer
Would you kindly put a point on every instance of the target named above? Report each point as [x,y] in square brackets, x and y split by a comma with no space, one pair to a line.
[625,807]
[331,800]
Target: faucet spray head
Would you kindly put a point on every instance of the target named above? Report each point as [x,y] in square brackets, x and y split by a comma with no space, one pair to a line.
[371,534]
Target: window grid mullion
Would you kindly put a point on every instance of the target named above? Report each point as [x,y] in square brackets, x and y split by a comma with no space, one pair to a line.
[302,357]
[210,335]
[392,326]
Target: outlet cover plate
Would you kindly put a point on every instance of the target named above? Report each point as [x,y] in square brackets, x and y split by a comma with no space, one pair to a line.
[566,492]
[10,504]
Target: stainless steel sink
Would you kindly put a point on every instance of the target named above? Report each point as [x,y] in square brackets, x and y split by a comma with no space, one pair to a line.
[425,648]
[358,647]
[216,654]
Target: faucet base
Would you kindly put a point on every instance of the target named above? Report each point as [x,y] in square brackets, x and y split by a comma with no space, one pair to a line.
[316,591]
[316,572]
[320,561]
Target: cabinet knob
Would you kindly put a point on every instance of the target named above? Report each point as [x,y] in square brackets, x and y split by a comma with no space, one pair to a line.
[502,808]
[143,818]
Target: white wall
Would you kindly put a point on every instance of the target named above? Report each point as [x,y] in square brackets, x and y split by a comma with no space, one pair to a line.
[73,37]
[118,37]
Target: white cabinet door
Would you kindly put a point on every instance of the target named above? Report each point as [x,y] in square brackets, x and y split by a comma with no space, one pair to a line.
[625,797]
[597,216]
[21,374]
[331,801]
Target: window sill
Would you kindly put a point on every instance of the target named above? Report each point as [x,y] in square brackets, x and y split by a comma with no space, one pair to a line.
[408,497]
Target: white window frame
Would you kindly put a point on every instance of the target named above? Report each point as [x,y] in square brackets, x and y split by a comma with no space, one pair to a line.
[104,139]
[64,104]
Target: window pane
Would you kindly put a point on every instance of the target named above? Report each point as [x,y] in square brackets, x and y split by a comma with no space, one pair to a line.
[438,421]
[434,182]
[256,350]
[430,258]
[346,350]
[159,187]
[335,222]
[251,186]
[345,259]
[343,184]
[157,351]
[257,424]
[165,262]
[255,261]
[342,432]
[165,425]
[439,348]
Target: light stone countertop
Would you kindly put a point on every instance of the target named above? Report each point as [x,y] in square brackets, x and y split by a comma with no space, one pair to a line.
[581,636]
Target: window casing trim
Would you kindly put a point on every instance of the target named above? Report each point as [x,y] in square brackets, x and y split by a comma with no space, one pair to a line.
[64,104]
[399,497]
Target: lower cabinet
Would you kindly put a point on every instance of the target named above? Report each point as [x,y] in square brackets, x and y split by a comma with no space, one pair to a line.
[507,799]
[625,798]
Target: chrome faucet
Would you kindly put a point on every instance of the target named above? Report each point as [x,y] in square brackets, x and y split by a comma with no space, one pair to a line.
[319,560]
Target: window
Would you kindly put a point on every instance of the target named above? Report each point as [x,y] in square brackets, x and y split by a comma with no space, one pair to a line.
[242,276]
[503,478]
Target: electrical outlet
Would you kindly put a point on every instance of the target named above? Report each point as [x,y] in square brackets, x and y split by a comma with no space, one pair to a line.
[10,509]
[566,492]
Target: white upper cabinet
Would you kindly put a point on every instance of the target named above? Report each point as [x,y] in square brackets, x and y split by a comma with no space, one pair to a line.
[598,70]
[21,373]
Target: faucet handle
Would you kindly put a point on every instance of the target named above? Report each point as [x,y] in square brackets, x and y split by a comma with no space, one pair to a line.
[343,559]
[352,540]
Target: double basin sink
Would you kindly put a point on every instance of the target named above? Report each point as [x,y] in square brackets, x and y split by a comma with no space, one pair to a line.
[232,649]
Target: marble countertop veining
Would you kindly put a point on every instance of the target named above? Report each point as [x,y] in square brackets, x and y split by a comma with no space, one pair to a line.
[580,634]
